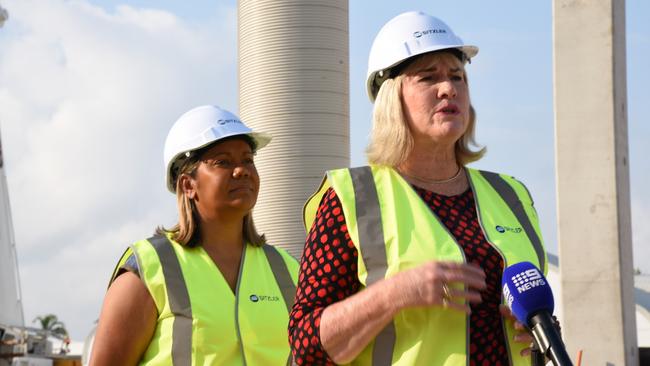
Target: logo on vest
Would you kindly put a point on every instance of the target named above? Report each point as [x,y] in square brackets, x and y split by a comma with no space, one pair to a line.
[503,229]
[258,298]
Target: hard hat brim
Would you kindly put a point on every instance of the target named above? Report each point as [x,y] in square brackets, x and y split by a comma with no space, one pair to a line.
[372,88]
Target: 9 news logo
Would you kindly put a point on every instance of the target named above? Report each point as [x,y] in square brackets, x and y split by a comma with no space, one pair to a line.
[522,281]
[527,280]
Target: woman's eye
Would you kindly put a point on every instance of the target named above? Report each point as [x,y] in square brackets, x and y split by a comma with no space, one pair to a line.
[457,77]
[219,162]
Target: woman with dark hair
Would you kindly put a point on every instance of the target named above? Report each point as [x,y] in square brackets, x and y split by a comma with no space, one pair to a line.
[208,291]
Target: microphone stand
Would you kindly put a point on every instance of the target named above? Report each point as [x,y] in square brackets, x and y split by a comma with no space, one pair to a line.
[537,357]
[548,340]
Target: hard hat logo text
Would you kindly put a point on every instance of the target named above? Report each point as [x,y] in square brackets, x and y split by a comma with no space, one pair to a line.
[227,121]
[418,34]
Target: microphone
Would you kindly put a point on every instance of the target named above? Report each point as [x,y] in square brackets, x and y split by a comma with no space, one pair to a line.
[530,300]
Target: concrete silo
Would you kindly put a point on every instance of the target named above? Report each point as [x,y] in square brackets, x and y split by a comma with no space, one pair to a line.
[294,84]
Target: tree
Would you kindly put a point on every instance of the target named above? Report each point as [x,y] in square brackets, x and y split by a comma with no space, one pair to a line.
[51,323]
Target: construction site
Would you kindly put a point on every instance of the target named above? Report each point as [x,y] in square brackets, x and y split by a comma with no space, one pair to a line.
[294,67]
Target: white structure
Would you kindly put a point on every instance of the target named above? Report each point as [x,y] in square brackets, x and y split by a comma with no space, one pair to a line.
[641,296]
[293,83]
[593,189]
[11,308]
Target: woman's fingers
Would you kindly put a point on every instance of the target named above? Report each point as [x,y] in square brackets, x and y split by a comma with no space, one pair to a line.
[523,334]
[519,326]
[505,312]
[447,284]
[464,308]
[462,266]
[458,299]
[451,275]
[469,295]
[472,279]
[523,337]
[467,274]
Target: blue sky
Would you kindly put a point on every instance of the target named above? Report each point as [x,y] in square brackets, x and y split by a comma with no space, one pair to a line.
[88,89]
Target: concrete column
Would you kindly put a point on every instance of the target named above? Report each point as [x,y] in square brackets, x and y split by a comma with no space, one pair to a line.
[593,192]
[293,83]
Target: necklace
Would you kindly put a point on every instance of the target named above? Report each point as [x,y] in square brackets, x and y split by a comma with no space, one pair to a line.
[435,181]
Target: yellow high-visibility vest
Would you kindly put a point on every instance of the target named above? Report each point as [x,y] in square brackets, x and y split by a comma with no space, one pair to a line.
[394,230]
[200,320]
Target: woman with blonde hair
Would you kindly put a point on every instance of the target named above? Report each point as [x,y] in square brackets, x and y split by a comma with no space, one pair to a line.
[403,259]
[208,291]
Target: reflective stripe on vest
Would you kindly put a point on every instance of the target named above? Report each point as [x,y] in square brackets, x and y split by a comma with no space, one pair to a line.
[509,196]
[179,301]
[281,274]
[357,189]
[283,278]
[259,312]
[374,251]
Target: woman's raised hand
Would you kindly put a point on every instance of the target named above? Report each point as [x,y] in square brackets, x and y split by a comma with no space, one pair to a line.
[447,284]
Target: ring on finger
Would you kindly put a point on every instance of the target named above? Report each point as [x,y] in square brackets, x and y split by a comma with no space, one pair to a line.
[446,294]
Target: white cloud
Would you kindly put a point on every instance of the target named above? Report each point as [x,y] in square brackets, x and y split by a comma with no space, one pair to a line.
[86,99]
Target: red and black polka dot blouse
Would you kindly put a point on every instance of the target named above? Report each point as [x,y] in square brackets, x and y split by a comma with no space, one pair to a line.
[328,273]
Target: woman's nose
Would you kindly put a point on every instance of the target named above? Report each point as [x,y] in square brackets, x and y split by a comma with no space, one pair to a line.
[446,90]
[240,172]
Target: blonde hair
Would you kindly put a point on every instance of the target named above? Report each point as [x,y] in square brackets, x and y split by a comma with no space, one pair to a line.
[391,140]
[186,232]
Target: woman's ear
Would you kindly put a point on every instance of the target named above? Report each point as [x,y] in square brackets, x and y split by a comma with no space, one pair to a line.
[188,186]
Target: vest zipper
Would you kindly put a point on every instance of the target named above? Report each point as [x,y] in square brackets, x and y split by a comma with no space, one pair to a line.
[239,276]
[503,258]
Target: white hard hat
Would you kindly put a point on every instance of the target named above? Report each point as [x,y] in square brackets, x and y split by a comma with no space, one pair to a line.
[407,35]
[200,127]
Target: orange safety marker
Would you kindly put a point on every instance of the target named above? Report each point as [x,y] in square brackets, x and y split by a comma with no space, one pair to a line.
[579,358]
